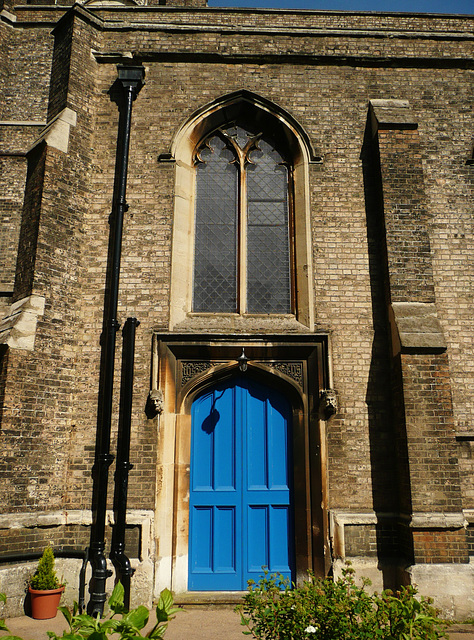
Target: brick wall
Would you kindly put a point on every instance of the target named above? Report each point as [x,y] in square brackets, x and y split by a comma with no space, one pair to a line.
[25,84]
[470,540]
[11,201]
[62,538]
[24,88]
[340,246]
[432,450]
[408,247]
[440,546]
[329,67]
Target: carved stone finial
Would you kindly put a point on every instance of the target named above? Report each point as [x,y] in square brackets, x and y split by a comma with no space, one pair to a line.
[328,403]
[155,403]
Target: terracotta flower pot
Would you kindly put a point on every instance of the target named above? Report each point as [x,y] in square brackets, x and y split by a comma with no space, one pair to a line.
[44,604]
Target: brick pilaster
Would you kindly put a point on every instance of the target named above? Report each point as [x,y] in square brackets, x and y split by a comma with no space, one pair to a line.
[429,481]
[40,385]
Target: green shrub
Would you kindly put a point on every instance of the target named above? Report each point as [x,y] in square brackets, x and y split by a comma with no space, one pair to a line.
[45,577]
[335,610]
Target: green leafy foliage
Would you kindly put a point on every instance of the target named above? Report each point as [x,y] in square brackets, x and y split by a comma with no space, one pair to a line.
[128,627]
[3,626]
[120,624]
[335,610]
[45,577]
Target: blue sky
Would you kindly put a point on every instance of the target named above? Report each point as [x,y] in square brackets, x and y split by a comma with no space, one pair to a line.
[412,6]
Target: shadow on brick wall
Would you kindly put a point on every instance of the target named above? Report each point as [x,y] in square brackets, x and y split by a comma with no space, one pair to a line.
[388,447]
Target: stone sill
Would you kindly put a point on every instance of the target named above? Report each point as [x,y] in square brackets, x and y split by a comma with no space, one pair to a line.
[465,436]
[211,599]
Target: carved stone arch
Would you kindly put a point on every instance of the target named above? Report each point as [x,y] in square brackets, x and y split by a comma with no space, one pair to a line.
[233,108]
[266,374]
[202,381]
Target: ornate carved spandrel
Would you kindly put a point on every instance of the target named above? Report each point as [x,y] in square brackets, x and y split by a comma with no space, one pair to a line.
[192,368]
[293,370]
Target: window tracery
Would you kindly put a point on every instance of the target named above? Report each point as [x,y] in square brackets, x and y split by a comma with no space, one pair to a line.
[243,253]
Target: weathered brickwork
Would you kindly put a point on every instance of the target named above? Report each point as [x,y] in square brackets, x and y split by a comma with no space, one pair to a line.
[22,116]
[470,540]
[408,247]
[14,141]
[433,547]
[62,538]
[21,119]
[381,540]
[430,440]
[25,84]
[10,216]
[30,222]
[385,104]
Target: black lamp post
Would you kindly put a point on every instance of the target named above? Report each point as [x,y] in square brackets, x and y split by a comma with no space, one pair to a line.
[130,78]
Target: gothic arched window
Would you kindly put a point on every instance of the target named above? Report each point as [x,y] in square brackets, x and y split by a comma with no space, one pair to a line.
[243,254]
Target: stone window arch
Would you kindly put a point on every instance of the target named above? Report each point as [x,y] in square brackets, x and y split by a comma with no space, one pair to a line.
[237,132]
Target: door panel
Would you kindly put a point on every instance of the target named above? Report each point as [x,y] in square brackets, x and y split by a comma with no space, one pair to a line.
[240,491]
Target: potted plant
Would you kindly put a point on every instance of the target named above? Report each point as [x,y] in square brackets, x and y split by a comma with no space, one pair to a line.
[44,588]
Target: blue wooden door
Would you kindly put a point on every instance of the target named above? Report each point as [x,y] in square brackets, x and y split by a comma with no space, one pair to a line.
[240,508]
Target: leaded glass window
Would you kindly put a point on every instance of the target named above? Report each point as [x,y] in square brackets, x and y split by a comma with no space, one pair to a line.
[242,261]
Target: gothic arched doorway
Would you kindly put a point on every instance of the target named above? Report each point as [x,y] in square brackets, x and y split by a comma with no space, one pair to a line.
[285,373]
[241,477]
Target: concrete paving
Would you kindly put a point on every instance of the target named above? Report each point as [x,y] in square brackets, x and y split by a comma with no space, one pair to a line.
[192,623]
[189,624]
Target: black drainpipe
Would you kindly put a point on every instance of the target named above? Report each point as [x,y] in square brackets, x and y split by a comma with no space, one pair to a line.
[121,562]
[130,79]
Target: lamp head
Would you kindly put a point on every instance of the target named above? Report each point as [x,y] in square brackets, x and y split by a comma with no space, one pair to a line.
[243,360]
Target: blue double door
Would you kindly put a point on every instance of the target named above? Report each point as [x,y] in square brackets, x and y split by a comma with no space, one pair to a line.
[240,511]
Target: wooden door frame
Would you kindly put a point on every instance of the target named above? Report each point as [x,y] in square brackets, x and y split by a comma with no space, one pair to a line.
[183,365]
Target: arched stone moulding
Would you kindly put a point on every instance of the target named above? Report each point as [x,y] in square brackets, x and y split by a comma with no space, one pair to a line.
[240,106]
[185,365]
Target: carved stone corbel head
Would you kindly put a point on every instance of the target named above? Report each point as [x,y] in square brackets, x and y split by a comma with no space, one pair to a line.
[154,403]
[327,403]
